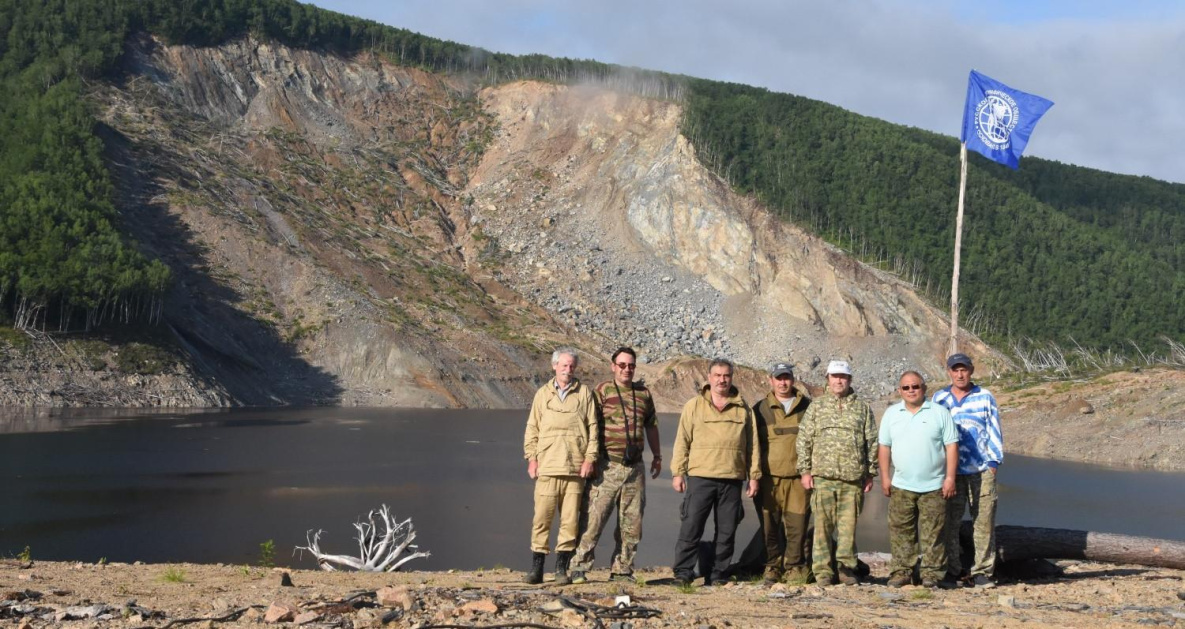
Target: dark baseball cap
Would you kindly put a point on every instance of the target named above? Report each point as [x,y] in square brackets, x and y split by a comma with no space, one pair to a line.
[959,359]
[779,369]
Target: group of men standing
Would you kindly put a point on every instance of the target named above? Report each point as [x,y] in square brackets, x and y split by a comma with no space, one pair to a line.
[793,456]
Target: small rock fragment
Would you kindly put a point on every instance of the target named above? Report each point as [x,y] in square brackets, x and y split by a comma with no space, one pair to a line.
[306,617]
[285,580]
[395,596]
[572,618]
[1006,601]
[484,606]
[279,612]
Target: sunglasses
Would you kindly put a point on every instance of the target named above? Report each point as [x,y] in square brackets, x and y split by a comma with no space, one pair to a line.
[626,365]
[911,387]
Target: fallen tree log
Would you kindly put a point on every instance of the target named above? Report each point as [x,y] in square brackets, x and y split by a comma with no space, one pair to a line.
[1019,543]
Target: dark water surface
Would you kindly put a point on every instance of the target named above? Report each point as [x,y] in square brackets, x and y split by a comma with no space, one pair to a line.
[211,486]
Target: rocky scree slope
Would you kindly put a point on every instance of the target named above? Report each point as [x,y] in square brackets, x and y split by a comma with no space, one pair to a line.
[601,214]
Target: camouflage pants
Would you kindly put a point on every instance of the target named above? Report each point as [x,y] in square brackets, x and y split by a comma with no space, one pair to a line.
[917,519]
[620,487]
[977,492]
[836,505]
[556,493]
[785,510]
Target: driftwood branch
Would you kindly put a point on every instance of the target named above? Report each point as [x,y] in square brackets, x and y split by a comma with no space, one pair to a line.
[380,545]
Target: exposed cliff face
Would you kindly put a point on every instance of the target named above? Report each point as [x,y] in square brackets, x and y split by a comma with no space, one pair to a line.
[347,231]
[612,221]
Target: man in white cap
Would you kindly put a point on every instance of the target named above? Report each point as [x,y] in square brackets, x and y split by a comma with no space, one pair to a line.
[837,459]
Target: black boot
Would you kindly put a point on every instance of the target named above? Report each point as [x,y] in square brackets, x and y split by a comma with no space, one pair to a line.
[535,575]
[562,559]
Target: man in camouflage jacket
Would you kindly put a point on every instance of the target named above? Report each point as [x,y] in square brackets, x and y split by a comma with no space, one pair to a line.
[837,458]
[619,483]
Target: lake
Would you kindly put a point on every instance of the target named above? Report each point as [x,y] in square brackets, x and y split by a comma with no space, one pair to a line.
[210,486]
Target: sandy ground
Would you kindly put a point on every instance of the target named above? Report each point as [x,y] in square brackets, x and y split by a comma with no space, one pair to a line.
[122,595]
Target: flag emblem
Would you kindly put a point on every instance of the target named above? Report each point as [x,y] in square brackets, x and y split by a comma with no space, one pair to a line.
[995,118]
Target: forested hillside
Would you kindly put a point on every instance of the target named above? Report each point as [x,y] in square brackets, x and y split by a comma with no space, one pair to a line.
[1051,251]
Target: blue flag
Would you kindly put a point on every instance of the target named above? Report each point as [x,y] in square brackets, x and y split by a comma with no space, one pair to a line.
[998,120]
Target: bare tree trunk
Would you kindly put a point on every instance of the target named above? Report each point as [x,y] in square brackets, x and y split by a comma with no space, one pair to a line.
[1016,543]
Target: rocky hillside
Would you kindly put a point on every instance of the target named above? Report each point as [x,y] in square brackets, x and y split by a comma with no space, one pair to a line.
[348,231]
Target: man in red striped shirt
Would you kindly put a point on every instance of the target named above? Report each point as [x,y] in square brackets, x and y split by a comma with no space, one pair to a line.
[627,413]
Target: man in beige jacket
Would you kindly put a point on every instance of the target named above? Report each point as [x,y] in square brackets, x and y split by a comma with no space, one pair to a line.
[561,446]
[716,450]
[784,504]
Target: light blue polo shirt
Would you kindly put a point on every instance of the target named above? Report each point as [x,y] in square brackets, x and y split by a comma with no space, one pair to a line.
[918,441]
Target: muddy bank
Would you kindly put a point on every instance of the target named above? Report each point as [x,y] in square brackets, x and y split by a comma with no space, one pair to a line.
[155,595]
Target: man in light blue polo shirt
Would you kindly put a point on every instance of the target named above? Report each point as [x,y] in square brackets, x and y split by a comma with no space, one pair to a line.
[920,439]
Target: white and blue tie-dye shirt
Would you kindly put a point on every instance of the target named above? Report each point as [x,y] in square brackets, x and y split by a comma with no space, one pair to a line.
[981,444]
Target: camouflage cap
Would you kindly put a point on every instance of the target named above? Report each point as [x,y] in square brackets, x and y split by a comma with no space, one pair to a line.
[781,369]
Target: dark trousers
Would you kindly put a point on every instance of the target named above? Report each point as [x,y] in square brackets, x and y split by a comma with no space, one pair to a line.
[704,495]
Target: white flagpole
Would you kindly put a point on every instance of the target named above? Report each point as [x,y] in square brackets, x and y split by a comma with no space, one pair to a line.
[954,280]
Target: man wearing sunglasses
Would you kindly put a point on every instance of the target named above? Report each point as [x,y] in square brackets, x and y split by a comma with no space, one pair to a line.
[626,413]
[782,501]
[919,438]
[837,458]
[981,450]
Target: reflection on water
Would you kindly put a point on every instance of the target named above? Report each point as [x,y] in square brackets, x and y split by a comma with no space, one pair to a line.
[211,486]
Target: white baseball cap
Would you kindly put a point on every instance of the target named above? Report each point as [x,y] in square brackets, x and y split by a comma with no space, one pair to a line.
[839,367]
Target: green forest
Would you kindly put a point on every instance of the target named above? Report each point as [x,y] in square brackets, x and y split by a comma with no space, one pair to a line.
[1051,252]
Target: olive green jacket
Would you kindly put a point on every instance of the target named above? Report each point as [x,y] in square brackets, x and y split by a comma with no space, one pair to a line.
[716,444]
[777,433]
[562,434]
[838,439]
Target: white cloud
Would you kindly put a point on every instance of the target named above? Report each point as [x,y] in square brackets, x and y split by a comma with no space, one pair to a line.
[1114,78]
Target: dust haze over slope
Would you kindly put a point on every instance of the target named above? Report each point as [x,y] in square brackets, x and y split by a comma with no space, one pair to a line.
[349,231]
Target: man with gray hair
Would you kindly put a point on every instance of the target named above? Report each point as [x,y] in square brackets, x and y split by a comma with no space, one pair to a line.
[561,446]
[715,453]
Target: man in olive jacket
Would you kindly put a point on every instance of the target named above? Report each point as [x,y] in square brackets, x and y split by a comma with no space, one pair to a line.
[561,446]
[716,450]
[837,458]
[782,501]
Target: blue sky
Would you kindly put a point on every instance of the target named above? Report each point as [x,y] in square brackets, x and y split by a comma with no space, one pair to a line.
[1111,67]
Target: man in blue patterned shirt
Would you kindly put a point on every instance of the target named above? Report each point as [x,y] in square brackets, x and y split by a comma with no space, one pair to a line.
[981,450]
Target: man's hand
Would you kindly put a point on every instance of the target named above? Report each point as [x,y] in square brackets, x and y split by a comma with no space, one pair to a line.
[752,491]
[948,488]
[678,484]
[868,484]
[886,486]
[808,481]
[533,469]
[992,469]
[655,467]
[586,470]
